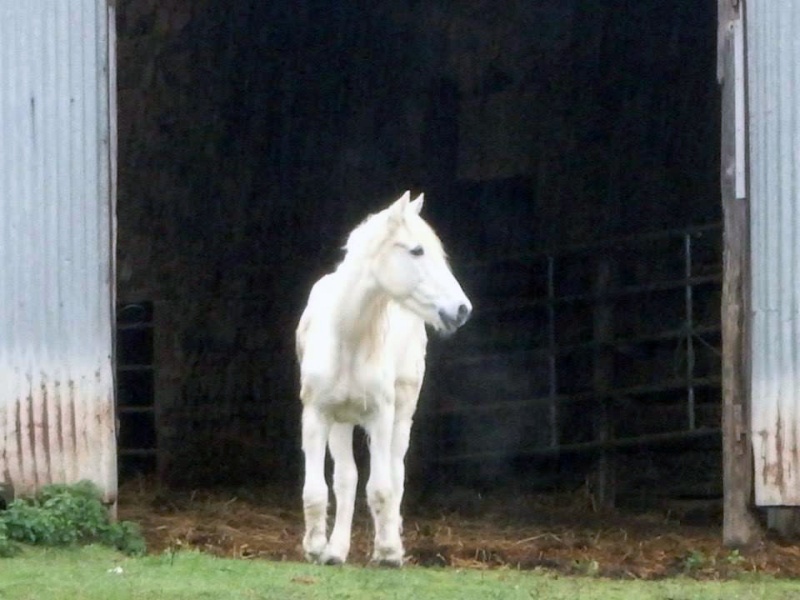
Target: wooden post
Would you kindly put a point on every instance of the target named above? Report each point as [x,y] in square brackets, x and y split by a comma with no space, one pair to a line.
[604,492]
[739,525]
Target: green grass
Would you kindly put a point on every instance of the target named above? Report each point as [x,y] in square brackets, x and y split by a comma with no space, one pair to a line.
[87,573]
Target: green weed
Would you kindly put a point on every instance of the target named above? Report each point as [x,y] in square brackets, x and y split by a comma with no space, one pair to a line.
[695,561]
[65,515]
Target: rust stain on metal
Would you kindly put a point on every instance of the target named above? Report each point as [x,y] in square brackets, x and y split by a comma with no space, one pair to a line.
[764,476]
[764,435]
[779,474]
[18,431]
[32,435]
[780,460]
[59,419]
[45,426]
[49,436]
[72,430]
[4,441]
[794,450]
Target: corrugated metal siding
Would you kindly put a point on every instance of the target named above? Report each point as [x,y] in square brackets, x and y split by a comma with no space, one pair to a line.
[773,37]
[57,421]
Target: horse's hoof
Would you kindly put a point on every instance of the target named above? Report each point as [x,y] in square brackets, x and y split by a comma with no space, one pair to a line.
[387,563]
[333,561]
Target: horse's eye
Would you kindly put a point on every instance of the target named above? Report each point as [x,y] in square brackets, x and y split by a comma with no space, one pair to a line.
[417,251]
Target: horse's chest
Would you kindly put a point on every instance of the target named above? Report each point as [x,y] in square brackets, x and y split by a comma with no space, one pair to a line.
[358,389]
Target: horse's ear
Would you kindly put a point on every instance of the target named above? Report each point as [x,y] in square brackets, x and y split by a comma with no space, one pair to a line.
[416,204]
[398,208]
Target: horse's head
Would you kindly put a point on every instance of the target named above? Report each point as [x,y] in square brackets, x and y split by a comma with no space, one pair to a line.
[410,265]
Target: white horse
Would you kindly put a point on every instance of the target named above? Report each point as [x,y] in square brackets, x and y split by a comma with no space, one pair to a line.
[361,346]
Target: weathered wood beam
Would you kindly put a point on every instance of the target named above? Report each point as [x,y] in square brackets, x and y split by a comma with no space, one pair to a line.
[740,528]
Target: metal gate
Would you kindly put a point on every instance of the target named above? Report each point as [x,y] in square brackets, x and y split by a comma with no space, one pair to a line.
[584,349]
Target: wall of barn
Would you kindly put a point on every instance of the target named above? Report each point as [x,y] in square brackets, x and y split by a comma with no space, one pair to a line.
[253,135]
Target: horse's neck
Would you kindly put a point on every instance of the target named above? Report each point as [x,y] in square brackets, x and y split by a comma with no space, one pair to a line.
[361,311]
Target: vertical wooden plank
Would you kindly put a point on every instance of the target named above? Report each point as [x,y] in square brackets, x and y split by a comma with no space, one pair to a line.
[739,525]
[604,492]
[168,384]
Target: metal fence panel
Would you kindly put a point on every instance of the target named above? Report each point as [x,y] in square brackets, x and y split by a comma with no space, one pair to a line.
[773,42]
[57,421]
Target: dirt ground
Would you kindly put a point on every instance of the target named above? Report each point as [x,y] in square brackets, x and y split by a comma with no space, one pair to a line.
[556,532]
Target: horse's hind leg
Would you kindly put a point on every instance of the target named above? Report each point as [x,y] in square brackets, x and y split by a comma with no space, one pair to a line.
[345,481]
[315,490]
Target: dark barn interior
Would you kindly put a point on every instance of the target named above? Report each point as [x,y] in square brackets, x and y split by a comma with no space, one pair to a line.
[569,153]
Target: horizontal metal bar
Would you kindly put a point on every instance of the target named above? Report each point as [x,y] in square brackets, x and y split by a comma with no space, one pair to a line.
[129,409]
[633,290]
[585,247]
[676,385]
[137,452]
[134,326]
[643,440]
[123,368]
[674,334]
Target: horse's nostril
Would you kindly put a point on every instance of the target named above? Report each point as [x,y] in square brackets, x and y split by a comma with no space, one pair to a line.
[463,313]
[457,319]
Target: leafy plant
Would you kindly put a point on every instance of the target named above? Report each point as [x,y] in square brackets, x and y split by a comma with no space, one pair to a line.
[64,515]
[7,547]
[695,561]
[735,558]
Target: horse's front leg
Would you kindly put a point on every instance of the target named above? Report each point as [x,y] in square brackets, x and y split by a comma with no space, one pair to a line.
[315,490]
[345,482]
[388,550]
[405,406]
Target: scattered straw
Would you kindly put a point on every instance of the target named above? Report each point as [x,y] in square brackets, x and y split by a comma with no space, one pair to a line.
[264,524]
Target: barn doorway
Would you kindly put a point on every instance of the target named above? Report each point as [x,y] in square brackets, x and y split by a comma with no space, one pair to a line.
[569,156]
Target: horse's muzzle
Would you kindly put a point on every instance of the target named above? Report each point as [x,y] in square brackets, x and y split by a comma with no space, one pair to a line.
[453,322]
